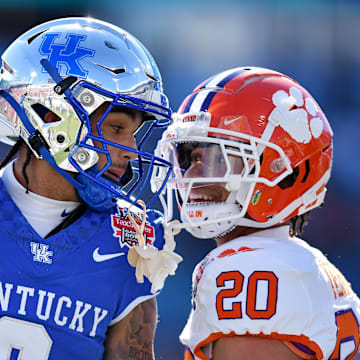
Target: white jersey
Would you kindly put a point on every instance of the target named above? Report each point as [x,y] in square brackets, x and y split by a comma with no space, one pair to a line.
[272,285]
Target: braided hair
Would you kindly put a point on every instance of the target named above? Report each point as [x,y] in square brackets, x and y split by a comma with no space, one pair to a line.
[298,223]
[12,152]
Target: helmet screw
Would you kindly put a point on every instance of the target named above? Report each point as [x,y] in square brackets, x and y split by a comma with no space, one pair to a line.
[82,156]
[60,138]
[57,89]
[87,98]
[277,166]
[269,201]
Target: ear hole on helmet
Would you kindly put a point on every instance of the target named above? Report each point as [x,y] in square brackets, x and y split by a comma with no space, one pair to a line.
[290,179]
[46,115]
[307,171]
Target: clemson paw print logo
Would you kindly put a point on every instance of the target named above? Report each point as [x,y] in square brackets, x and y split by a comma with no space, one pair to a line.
[301,124]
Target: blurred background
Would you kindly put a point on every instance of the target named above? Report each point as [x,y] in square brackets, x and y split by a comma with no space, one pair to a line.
[314,41]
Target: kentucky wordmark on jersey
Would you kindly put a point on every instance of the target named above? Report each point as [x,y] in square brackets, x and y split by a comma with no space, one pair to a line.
[68,312]
[56,299]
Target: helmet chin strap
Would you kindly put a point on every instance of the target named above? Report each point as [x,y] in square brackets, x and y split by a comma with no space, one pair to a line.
[210,220]
[62,85]
[96,197]
[196,217]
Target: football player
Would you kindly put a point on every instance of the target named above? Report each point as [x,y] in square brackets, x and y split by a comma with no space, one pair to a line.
[75,96]
[252,154]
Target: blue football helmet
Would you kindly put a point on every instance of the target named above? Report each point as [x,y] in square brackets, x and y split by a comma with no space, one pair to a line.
[72,66]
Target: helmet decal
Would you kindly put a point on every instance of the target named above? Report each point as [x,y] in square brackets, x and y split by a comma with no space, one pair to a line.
[200,101]
[295,120]
[67,55]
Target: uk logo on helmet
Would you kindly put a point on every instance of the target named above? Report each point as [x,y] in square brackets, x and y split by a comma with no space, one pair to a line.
[66,56]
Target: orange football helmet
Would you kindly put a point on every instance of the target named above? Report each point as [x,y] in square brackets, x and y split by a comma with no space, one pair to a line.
[257,134]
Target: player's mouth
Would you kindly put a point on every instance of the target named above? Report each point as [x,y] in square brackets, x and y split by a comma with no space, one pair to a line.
[114,175]
[201,198]
[208,193]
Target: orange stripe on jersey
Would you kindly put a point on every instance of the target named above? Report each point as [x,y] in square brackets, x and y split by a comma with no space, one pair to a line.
[348,328]
[330,279]
[227,252]
[339,284]
[301,339]
[188,355]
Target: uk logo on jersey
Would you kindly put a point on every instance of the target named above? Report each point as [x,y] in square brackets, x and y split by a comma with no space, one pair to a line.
[66,56]
[125,230]
[41,252]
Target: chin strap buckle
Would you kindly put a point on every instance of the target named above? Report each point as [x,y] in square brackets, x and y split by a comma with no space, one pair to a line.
[36,140]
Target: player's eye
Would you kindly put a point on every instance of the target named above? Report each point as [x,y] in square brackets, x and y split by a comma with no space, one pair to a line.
[117,128]
[195,158]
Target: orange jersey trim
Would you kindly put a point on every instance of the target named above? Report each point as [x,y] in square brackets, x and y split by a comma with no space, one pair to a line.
[188,355]
[302,339]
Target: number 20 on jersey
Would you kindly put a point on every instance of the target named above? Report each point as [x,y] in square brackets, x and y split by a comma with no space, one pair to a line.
[347,342]
[253,281]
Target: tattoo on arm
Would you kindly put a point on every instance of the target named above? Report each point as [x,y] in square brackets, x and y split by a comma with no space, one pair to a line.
[133,337]
[142,331]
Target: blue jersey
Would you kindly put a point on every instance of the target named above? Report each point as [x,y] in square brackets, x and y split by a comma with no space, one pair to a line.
[59,295]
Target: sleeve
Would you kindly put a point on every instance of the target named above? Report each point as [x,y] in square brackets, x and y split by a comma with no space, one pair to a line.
[249,294]
[132,295]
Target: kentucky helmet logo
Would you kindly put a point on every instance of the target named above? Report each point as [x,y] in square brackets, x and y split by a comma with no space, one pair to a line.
[66,56]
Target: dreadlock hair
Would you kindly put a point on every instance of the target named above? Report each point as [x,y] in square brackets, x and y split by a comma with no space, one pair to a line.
[298,223]
[26,163]
[12,152]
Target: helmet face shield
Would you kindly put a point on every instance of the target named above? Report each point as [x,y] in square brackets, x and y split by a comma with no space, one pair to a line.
[207,160]
[72,68]
[202,169]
